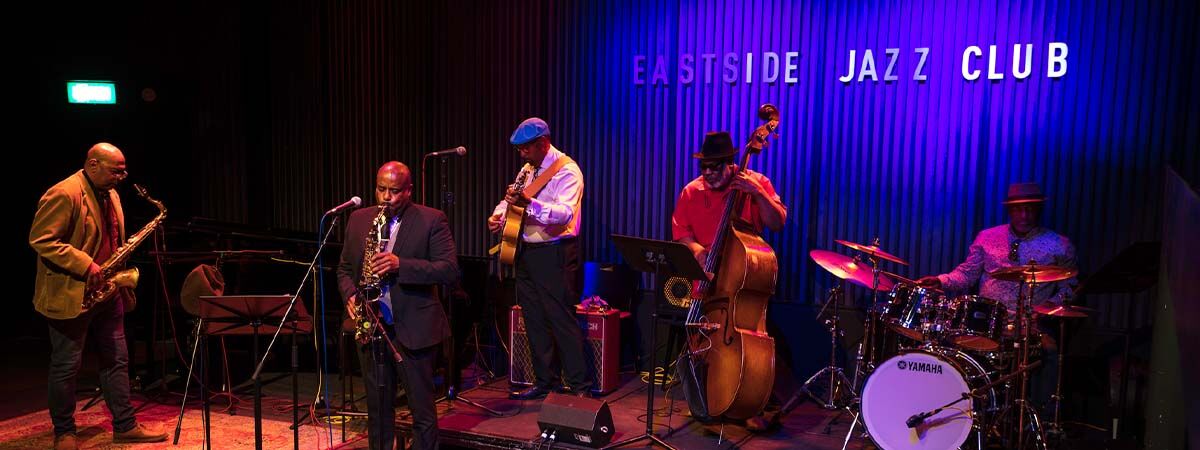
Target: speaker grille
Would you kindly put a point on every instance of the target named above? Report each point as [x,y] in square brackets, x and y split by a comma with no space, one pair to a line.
[603,359]
[520,363]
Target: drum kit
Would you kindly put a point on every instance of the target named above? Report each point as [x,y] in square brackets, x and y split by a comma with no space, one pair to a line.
[939,370]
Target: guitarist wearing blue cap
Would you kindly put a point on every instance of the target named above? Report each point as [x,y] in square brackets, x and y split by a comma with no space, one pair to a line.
[549,190]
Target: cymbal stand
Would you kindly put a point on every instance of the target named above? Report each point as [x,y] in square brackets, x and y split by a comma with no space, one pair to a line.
[839,385]
[1021,403]
[855,406]
[868,341]
[1055,428]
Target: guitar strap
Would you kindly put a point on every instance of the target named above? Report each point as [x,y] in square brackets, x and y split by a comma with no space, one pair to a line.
[540,182]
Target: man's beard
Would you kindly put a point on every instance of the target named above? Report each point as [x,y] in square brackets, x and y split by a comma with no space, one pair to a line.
[721,183]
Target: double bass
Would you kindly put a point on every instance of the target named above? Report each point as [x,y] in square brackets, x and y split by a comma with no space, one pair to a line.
[728,367]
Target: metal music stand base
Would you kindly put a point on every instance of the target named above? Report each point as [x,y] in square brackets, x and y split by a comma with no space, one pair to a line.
[663,259]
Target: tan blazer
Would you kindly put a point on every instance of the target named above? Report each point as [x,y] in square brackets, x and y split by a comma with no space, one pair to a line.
[66,234]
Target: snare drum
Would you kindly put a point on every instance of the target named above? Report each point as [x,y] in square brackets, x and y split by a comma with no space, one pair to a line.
[976,323]
[912,310]
[918,381]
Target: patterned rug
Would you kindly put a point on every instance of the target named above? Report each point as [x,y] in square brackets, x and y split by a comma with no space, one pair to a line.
[34,431]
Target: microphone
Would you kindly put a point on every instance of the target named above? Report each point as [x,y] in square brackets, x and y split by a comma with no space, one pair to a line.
[460,151]
[352,203]
[917,419]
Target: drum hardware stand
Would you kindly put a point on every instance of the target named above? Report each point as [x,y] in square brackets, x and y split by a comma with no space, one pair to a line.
[919,418]
[875,271]
[868,335]
[1021,403]
[838,383]
[858,369]
[1055,429]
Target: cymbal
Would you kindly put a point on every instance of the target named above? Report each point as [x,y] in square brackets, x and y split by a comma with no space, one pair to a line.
[847,268]
[873,251]
[1031,272]
[1063,310]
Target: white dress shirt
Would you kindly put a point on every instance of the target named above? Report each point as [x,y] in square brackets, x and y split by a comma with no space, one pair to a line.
[552,214]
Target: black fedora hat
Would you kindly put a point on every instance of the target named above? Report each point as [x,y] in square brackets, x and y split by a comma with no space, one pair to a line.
[1022,193]
[717,145]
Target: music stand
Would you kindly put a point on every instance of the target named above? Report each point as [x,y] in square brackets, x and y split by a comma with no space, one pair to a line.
[661,258]
[249,315]
[1132,271]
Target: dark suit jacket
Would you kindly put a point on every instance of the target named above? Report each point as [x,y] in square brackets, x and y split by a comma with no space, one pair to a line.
[66,234]
[427,258]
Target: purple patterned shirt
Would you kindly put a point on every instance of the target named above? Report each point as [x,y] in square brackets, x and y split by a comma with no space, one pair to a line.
[991,251]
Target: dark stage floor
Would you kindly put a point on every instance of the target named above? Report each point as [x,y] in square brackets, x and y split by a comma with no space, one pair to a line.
[803,428]
[24,422]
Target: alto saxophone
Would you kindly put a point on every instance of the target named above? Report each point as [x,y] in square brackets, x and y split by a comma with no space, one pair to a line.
[369,289]
[114,278]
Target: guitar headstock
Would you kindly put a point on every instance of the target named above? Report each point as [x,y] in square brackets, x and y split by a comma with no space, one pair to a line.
[522,177]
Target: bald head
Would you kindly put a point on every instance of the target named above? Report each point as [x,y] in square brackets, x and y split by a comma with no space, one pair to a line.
[105,165]
[393,185]
[105,152]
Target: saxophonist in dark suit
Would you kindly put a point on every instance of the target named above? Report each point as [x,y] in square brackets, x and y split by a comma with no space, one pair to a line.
[414,252]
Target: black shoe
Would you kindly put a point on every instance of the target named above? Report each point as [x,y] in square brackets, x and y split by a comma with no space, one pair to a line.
[582,393]
[529,393]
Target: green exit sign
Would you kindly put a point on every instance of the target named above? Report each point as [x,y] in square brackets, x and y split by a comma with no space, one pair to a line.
[92,92]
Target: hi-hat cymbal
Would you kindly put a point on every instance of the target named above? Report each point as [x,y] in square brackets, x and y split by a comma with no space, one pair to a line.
[1032,272]
[1063,310]
[873,251]
[847,268]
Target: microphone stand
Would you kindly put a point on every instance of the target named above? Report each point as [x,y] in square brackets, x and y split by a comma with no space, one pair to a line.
[919,418]
[452,370]
[282,321]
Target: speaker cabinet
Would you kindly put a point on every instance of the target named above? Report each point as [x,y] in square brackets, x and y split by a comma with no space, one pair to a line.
[602,336]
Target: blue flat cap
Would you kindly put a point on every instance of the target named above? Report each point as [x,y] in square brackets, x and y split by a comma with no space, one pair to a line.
[532,128]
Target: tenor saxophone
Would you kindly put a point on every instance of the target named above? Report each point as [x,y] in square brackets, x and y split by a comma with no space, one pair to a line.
[114,277]
[369,289]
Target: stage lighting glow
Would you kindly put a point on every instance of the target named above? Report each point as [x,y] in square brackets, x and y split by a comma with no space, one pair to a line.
[92,92]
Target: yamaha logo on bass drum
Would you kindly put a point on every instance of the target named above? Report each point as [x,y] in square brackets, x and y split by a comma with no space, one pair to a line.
[919,366]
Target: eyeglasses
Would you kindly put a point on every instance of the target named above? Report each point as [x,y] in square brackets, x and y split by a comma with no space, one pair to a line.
[1012,251]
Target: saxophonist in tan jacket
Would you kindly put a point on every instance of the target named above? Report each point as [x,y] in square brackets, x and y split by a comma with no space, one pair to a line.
[79,224]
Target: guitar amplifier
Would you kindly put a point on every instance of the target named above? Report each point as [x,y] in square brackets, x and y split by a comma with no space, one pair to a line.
[602,334]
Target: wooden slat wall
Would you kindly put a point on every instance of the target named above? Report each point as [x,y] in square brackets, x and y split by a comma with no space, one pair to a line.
[920,165]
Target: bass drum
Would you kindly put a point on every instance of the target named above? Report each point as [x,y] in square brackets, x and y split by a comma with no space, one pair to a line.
[923,380]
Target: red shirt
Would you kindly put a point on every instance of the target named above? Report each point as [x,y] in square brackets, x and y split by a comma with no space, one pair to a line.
[698,211]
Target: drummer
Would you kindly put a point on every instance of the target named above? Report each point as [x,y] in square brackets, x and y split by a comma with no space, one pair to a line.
[1020,241]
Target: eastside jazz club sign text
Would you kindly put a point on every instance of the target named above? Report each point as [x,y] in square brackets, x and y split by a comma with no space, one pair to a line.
[774,67]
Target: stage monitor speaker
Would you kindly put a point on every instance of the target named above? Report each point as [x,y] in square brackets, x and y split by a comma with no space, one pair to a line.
[602,337]
[577,420]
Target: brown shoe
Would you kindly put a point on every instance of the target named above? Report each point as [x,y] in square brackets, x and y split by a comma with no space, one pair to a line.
[757,424]
[65,442]
[139,433]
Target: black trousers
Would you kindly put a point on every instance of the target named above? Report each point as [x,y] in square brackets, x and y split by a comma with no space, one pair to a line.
[547,291]
[380,371]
